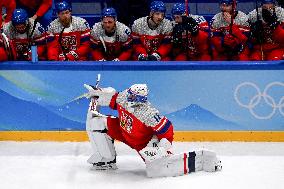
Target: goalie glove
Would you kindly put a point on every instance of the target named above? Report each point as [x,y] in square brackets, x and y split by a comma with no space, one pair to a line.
[104,95]
[156,150]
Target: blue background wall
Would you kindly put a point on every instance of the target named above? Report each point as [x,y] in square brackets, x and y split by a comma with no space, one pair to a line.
[193,96]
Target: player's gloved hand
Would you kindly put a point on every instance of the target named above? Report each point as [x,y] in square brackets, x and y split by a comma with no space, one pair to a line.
[190,25]
[269,16]
[154,57]
[116,59]
[156,150]
[104,95]
[61,57]
[102,59]
[72,56]
[230,41]
[142,57]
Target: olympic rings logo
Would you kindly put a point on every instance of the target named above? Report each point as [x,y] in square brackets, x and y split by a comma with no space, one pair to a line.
[257,99]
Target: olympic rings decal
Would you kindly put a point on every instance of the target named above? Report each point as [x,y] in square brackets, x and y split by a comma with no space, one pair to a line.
[256,99]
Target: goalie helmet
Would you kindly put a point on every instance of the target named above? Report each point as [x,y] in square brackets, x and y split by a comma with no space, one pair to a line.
[158,6]
[20,16]
[109,12]
[62,6]
[137,93]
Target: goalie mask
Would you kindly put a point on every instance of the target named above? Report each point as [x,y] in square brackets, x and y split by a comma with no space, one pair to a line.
[137,93]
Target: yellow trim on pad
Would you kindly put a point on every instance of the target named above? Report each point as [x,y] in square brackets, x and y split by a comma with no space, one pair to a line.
[183,136]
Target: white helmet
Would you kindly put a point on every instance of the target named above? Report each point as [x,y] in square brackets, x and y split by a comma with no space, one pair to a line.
[138,93]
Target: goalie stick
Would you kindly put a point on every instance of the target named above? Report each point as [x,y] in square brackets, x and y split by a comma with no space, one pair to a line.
[96,87]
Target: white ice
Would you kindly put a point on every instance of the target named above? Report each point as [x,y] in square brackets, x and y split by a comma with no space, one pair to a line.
[52,165]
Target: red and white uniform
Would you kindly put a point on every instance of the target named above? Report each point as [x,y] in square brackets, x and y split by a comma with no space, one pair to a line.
[75,38]
[118,46]
[273,40]
[221,29]
[22,42]
[10,6]
[136,125]
[3,53]
[148,41]
[198,46]
[42,6]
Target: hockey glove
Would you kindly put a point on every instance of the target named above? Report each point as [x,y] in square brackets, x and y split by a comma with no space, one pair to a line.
[104,95]
[142,57]
[230,41]
[116,59]
[72,56]
[270,18]
[190,25]
[154,57]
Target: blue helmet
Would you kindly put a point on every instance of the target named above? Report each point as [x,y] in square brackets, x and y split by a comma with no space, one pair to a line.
[20,16]
[178,9]
[268,1]
[109,12]
[228,2]
[158,6]
[62,6]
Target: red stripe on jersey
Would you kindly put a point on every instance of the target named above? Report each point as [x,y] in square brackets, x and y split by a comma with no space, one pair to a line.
[161,124]
[184,163]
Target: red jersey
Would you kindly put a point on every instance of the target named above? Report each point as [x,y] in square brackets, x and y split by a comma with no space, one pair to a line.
[10,6]
[148,41]
[139,123]
[22,42]
[40,6]
[198,46]
[240,30]
[75,38]
[118,46]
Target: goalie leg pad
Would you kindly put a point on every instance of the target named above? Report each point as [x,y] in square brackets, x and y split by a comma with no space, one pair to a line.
[181,164]
[102,144]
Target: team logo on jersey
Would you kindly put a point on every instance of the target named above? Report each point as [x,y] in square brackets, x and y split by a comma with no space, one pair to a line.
[69,41]
[152,44]
[126,122]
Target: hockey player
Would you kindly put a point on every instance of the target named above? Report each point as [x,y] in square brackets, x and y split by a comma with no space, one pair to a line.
[24,32]
[110,39]
[68,36]
[40,10]
[152,35]
[143,128]
[230,31]
[190,35]
[10,6]
[267,31]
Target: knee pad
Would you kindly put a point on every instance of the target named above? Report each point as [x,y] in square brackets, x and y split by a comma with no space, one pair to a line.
[102,144]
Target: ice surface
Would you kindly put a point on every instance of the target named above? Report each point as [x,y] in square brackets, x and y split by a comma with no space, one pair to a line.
[51,165]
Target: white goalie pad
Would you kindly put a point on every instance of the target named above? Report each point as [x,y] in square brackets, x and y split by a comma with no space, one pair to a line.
[181,164]
[102,144]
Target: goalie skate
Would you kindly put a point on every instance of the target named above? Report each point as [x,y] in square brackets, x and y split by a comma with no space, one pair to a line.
[111,165]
